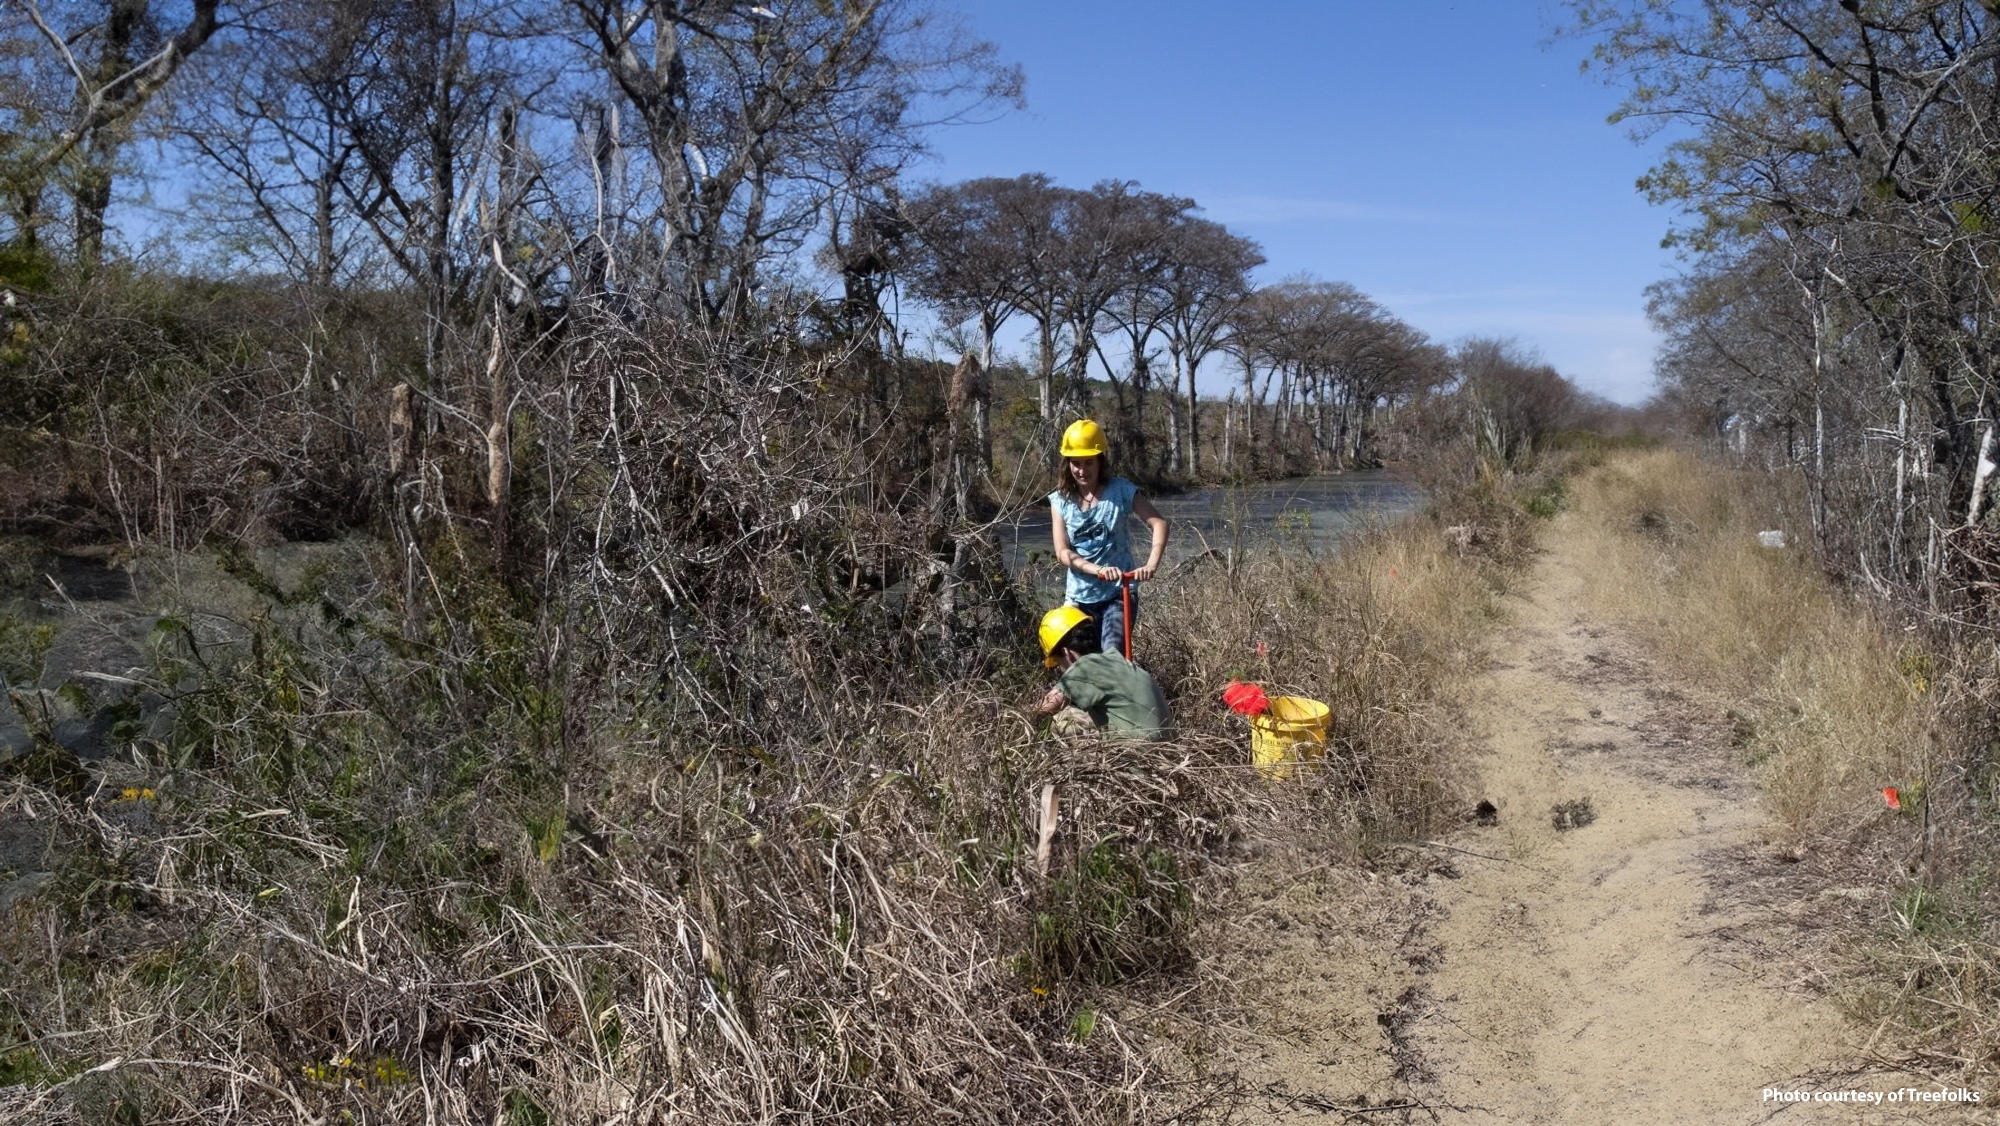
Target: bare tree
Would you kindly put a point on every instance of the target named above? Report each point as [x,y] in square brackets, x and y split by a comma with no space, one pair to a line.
[1336,358]
[1141,232]
[1839,204]
[1203,283]
[754,115]
[1108,241]
[116,57]
[970,265]
[1517,401]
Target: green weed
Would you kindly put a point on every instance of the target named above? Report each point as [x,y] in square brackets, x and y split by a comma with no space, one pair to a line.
[24,645]
[1118,912]
[1549,499]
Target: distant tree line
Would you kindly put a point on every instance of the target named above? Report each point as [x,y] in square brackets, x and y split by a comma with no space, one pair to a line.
[1135,287]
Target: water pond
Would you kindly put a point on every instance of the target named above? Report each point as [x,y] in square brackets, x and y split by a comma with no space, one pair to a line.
[1300,512]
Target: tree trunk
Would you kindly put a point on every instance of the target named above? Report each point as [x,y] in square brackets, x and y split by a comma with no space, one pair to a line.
[437,238]
[1228,432]
[1272,408]
[1140,377]
[322,269]
[1819,429]
[1364,434]
[1046,370]
[968,394]
[1345,455]
[1902,479]
[499,443]
[1076,373]
[402,465]
[1321,445]
[91,193]
[1289,401]
[1194,418]
[982,423]
[1249,424]
[1982,472]
[91,197]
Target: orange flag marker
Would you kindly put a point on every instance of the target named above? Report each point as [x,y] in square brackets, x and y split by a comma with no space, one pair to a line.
[1245,699]
[1889,795]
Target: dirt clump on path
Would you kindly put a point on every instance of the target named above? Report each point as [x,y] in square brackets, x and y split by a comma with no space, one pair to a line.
[1609,939]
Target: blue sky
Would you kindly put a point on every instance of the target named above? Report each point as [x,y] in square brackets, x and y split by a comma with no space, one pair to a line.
[1442,156]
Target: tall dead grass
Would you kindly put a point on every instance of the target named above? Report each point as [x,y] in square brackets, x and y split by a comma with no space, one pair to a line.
[1832,704]
[1383,632]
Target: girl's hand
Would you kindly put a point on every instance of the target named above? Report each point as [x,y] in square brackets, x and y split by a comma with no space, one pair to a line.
[1110,574]
[1144,574]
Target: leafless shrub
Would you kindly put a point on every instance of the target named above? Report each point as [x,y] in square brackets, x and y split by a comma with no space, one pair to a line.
[176,412]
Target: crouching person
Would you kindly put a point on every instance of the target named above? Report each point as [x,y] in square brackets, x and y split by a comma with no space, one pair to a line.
[1097,690]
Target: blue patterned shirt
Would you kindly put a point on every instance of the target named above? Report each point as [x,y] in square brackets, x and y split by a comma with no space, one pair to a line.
[1098,534]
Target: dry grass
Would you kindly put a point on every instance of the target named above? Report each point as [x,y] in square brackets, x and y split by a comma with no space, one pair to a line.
[1830,702]
[854,932]
[1382,632]
[677,776]
[1832,706]
[635,803]
[365,880]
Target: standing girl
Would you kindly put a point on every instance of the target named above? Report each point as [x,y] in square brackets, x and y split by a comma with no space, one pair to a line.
[1088,511]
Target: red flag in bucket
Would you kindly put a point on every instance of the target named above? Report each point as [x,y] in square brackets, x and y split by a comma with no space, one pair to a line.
[1245,699]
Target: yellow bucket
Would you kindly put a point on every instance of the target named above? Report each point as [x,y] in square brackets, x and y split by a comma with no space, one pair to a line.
[1292,731]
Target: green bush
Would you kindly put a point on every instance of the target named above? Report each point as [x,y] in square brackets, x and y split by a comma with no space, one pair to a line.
[1121,910]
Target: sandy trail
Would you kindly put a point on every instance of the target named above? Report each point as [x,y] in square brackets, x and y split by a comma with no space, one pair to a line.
[1581,982]
[1631,970]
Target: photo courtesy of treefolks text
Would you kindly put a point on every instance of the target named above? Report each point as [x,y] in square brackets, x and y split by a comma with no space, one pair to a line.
[1899,1095]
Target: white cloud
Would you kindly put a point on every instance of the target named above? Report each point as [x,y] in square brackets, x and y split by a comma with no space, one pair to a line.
[1606,351]
[1503,293]
[1282,209]
[1610,353]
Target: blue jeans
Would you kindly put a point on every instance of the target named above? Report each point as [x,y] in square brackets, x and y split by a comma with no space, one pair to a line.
[1111,624]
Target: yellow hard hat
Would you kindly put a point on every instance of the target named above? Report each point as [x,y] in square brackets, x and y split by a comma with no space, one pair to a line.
[1084,438]
[1056,625]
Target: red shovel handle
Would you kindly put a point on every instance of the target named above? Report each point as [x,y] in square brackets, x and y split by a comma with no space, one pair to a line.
[1125,592]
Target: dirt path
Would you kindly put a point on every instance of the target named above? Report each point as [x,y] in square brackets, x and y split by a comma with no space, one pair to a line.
[1633,969]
